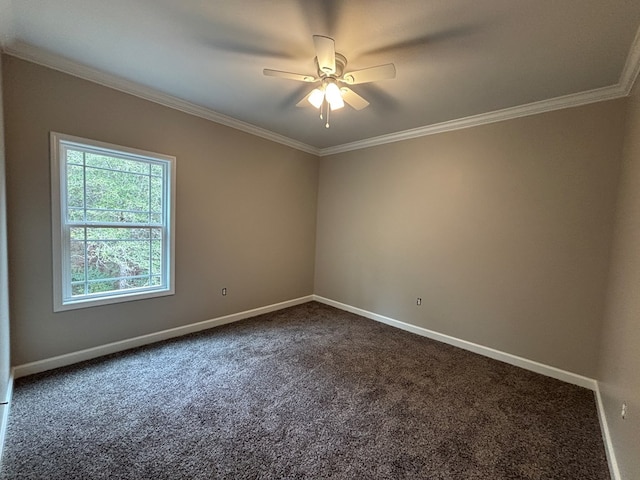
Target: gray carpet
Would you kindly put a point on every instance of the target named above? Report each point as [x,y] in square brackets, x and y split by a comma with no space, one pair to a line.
[305,392]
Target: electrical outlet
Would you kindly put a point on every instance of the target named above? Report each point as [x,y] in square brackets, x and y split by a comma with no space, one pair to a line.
[224,291]
[419,301]
[623,412]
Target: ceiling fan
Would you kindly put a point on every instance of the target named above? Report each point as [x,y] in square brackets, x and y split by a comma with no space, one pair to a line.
[332,93]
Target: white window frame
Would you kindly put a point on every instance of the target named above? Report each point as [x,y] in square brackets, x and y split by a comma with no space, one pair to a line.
[62,299]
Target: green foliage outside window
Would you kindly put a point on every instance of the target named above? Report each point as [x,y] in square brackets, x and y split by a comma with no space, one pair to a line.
[115,212]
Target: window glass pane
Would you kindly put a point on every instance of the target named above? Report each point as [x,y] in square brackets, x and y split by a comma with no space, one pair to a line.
[77,233]
[77,255]
[116,216]
[116,196]
[75,186]
[139,282]
[115,233]
[75,214]
[75,157]
[119,164]
[156,195]
[156,256]
[157,170]
[102,286]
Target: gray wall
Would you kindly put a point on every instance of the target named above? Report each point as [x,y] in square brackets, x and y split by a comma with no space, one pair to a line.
[5,365]
[619,374]
[503,230]
[245,214]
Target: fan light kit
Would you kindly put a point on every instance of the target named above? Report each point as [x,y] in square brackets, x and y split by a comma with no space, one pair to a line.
[330,95]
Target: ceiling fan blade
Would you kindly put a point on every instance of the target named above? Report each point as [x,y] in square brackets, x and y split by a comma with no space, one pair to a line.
[353,99]
[372,74]
[430,40]
[291,76]
[326,53]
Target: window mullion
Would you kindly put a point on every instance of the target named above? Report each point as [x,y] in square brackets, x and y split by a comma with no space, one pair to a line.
[150,255]
[84,186]
[150,270]
[85,245]
[149,204]
[86,261]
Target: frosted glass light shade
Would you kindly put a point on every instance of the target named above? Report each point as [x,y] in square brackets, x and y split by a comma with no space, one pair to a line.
[334,97]
[316,97]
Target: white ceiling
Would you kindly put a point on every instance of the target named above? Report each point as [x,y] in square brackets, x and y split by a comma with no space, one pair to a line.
[454,58]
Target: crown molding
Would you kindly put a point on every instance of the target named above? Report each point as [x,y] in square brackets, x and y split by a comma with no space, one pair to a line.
[631,66]
[628,77]
[55,62]
[558,103]
[623,88]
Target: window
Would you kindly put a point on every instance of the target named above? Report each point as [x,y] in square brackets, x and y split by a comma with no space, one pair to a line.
[113,218]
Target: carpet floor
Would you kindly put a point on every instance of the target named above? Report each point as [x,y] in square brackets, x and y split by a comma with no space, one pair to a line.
[306,392]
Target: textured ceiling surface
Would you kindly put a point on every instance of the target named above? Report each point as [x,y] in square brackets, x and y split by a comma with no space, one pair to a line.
[454,58]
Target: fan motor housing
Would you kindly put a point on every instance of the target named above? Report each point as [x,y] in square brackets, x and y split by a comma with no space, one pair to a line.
[341,62]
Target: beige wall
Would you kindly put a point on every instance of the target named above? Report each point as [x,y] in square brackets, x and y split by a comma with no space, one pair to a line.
[245,212]
[503,230]
[619,374]
[5,365]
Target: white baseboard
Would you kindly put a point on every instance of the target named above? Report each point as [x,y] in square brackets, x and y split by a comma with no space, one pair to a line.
[89,353]
[4,414]
[521,362]
[606,437]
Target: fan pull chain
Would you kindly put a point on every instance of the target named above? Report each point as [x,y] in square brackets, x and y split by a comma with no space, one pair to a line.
[325,108]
